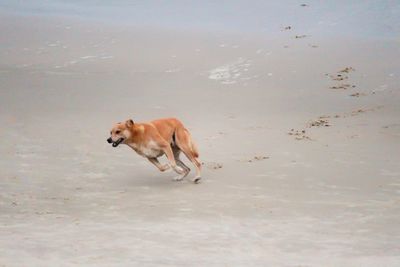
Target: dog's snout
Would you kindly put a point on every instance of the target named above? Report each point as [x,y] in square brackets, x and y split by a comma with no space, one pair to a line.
[109,140]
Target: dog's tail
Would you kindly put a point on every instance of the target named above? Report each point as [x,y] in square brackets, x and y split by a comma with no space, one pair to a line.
[183,136]
[190,142]
[193,146]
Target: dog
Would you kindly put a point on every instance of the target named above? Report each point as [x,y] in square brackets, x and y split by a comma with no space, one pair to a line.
[157,138]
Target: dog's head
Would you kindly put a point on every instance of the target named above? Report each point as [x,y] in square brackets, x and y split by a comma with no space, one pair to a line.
[120,133]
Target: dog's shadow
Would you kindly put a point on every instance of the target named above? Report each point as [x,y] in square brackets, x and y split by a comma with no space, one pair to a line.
[164,180]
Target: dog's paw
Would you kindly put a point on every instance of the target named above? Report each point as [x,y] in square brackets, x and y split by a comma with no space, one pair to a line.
[196,180]
[178,169]
[165,167]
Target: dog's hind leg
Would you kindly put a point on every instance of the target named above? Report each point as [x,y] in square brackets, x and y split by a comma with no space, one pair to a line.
[178,161]
[185,144]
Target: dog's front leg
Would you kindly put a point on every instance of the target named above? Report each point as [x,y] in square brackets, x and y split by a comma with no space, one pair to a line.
[158,164]
[170,156]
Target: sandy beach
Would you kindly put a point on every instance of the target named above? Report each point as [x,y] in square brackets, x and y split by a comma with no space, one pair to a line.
[298,132]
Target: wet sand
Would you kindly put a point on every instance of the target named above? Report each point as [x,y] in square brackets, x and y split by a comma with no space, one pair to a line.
[301,166]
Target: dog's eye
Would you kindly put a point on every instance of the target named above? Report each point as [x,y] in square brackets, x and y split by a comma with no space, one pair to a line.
[117,132]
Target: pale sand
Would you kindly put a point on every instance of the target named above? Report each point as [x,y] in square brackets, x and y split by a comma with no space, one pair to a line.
[68,198]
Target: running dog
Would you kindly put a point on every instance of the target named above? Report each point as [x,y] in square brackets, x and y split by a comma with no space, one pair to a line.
[156,138]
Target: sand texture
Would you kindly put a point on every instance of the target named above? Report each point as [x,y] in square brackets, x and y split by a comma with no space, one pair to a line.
[299,136]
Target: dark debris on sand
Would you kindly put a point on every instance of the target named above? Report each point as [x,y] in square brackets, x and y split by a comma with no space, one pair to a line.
[299,134]
[341,76]
[347,70]
[320,122]
[357,94]
[258,158]
[344,86]
[361,110]
[213,165]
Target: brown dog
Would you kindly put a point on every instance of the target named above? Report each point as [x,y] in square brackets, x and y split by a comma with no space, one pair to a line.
[156,138]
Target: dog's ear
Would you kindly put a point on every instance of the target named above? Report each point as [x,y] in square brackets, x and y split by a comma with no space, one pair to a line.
[129,123]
